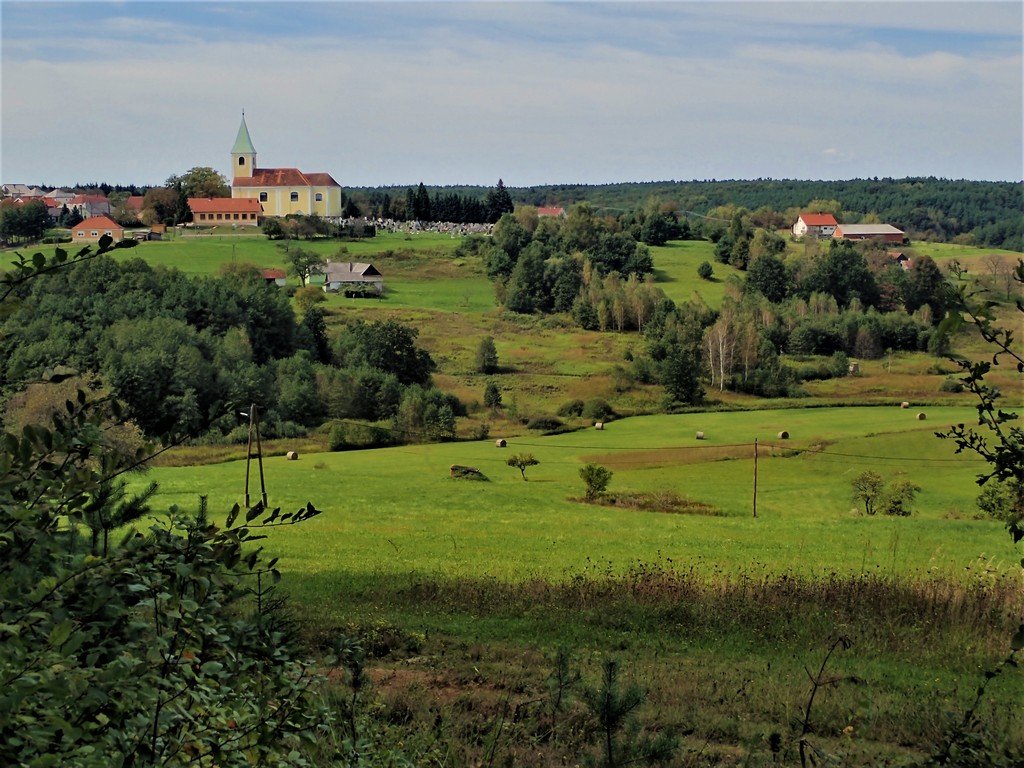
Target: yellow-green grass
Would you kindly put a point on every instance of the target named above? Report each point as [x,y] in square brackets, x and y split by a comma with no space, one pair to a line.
[395,511]
[675,271]
[965,254]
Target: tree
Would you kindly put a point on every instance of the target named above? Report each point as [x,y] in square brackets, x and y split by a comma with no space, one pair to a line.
[897,498]
[596,479]
[767,275]
[486,356]
[23,222]
[705,271]
[492,396]
[159,205]
[522,461]
[309,296]
[498,201]
[867,487]
[657,229]
[200,181]
[614,708]
[301,262]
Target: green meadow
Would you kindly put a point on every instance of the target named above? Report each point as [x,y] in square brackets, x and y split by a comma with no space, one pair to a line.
[396,510]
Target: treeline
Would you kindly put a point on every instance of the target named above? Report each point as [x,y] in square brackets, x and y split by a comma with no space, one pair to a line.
[186,355]
[985,213]
[485,206]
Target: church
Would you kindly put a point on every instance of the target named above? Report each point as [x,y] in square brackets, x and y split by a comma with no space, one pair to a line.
[281,191]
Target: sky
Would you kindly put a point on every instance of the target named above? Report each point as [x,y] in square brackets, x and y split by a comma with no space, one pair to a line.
[534,93]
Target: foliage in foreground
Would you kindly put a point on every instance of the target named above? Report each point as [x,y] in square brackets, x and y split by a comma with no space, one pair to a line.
[162,648]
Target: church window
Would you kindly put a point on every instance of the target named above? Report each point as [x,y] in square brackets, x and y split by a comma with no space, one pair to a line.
[295,197]
[319,197]
[263,197]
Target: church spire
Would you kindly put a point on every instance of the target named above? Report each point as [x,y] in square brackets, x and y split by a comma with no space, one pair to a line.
[243,154]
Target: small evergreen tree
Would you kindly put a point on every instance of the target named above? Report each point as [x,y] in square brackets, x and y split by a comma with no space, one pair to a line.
[486,356]
[492,396]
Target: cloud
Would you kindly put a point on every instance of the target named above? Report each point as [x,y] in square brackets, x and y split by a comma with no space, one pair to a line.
[533,93]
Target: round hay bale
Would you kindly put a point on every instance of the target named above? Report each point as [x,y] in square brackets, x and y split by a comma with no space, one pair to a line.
[904,404]
[921,416]
[854,368]
[783,435]
[700,435]
[598,425]
[292,455]
[500,443]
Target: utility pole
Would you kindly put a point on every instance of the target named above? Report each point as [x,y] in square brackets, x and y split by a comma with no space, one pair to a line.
[755,477]
[254,437]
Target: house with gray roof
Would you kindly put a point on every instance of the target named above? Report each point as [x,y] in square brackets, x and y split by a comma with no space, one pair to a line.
[351,277]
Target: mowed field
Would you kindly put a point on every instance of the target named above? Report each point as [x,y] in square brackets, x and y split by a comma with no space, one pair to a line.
[396,510]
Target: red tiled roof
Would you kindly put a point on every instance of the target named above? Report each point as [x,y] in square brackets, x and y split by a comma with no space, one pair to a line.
[80,199]
[550,211]
[285,177]
[274,274]
[322,180]
[49,202]
[224,205]
[819,219]
[98,222]
[134,203]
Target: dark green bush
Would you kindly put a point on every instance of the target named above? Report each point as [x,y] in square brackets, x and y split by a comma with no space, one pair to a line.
[348,436]
[544,423]
[571,408]
[597,410]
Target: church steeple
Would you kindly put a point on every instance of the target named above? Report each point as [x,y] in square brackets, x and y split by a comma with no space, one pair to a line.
[243,154]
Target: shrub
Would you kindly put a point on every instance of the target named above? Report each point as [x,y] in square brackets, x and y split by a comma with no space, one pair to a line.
[348,436]
[897,499]
[492,396]
[544,423]
[597,410]
[1003,501]
[950,384]
[705,271]
[596,479]
[571,408]
[486,356]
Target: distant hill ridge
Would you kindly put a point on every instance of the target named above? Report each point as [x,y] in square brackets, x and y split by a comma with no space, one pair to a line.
[988,211]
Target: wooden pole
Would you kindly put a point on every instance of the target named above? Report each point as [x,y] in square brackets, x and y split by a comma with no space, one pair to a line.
[254,436]
[259,456]
[755,477]
[248,457]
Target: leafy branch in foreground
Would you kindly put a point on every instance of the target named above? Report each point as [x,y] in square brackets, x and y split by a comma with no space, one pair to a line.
[1000,442]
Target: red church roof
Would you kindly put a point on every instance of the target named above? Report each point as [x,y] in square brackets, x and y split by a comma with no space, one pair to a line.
[285,177]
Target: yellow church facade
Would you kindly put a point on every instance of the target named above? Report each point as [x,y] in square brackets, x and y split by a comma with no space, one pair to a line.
[281,191]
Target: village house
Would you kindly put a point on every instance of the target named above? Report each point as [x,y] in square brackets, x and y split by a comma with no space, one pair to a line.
[350,277]
[899,257]
[281,191]
[216,211]
[815,224]
[90,205]
[884,232]
[21,190]
[133,205]
[276,277]
[62,196]
[94,228]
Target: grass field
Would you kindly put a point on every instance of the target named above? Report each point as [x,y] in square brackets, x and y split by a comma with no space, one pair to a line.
[715,616]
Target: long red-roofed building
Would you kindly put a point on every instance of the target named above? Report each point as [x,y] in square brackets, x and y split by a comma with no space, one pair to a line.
[217,211]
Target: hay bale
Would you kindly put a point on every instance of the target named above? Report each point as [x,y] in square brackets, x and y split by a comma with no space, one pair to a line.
[292,455]
[921,416]
[500,443]
[904,404]
[783,435]
[854,368]
[700,435]
[598,425]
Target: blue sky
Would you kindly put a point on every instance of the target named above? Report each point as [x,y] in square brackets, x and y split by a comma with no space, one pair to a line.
[448,93]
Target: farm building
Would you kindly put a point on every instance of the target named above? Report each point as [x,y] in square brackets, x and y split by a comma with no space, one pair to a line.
[352,277]
[274,276]
[280,190]
[900,258]
[551,211]
[815,225]
[884,232]
[94,228]
[215,211]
